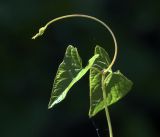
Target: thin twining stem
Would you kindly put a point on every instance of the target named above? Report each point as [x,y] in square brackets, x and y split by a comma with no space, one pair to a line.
[41,31]
[106,107]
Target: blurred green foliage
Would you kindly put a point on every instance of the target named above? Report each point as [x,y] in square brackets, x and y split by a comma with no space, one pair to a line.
[28,67]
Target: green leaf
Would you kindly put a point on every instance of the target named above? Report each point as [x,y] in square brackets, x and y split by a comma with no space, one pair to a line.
[69,72]
[96,96]
[116,84]
[103,61]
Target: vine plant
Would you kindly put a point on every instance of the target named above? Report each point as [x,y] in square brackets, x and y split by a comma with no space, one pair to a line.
[106,86]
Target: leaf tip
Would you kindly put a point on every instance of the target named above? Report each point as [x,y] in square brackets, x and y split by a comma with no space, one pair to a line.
[97,55]
[50,105]
[70,46]
[97,46]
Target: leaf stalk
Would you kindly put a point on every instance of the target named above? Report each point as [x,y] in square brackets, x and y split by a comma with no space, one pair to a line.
[106,108]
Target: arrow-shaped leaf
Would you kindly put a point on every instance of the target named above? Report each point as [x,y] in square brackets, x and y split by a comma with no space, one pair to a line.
[96,96]
[69,72]
[116,84]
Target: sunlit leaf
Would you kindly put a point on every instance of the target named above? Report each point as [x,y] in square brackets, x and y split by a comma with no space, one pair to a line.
[69,72]
[96,96]
[116,84]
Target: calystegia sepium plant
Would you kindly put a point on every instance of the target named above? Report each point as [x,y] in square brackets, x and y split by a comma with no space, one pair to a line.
[106,86]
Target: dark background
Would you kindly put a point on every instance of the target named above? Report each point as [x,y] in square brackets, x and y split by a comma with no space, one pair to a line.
[28,67]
